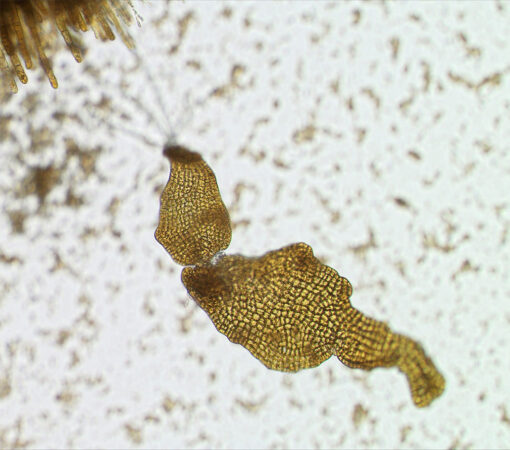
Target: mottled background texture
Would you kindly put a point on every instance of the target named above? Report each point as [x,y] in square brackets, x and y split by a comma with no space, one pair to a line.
[377,132]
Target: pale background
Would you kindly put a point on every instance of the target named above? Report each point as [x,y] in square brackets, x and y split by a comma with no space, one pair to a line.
[377,132]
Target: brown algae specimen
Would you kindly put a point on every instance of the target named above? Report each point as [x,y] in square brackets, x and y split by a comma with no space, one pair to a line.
[293,312]
[194,223]
[286,307]
[29,27]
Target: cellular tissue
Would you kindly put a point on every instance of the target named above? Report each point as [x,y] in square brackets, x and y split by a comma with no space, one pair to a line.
[287,308]
[194,223]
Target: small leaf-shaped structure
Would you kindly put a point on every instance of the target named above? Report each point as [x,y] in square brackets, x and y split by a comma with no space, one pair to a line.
[194,223]
[293,312]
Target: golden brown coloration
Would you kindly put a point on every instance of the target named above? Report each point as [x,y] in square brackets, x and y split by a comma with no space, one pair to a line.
[193,221]
[28,27]
[286,307]
[293,312]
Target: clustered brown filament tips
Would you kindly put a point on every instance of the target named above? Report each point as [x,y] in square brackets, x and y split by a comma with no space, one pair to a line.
[28,28]
[286,307]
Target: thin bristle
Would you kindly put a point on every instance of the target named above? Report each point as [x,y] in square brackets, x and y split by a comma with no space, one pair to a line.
[25,34]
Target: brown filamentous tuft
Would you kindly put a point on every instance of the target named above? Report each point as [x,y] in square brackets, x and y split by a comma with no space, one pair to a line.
[28,27]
